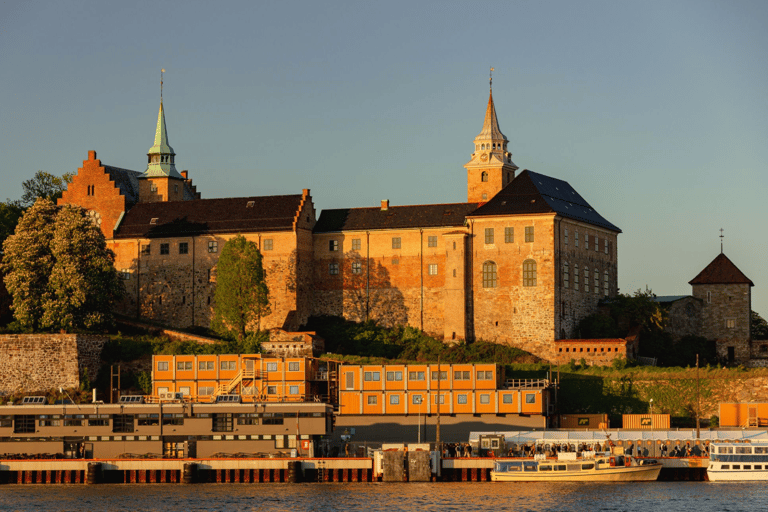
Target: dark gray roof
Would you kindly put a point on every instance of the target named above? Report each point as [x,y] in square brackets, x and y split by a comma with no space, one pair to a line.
[127,181]
[395,217]
[671,298]
[531,192]
[208,216]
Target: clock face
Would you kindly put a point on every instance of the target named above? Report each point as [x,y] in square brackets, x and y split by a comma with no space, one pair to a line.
[484,157]
[95,217]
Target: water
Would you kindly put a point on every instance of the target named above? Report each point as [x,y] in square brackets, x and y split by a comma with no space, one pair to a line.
[443,497]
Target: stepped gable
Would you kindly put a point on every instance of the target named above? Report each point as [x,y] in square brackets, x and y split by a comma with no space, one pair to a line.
[210,216]
[393,217]
[721,271]
[532,192]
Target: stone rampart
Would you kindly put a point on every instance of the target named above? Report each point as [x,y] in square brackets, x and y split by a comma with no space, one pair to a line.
[39,362]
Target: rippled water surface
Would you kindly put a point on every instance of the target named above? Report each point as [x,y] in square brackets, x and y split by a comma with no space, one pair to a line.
[630,497]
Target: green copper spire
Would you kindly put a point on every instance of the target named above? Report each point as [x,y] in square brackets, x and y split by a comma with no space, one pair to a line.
[161,157]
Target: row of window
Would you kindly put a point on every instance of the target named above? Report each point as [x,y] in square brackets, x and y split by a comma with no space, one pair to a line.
[461,399]
[491,278]
[586,287]
[162,366]
[581,349]
[213,247]
[586,241]
[509,235]
[333,245]
[374,376]
[357,268]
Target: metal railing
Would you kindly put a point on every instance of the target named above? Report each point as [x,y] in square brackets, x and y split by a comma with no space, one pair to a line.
[527,383]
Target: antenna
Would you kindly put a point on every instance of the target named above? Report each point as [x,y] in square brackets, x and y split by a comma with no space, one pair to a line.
[721,240]
[490,82]
[161,84]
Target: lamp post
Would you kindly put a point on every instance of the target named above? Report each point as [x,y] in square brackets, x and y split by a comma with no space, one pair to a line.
[418,402]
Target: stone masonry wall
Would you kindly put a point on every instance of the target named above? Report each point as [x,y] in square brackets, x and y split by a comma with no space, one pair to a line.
[39,362]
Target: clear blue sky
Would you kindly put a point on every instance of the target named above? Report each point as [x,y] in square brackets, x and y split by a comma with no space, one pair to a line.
[655,111]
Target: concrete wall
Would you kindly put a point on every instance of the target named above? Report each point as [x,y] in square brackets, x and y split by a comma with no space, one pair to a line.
[40,362]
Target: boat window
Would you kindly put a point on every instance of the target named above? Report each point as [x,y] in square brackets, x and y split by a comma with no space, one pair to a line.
[587,466]
[574,467]
[761,449]
[747,466]
[560,467]
[758,467]
[737,466]
[530,466]
[726,466]
[545,468]
[743,449]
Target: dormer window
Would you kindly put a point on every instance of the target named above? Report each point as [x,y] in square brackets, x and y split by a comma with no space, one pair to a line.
[250,204]
[153,221]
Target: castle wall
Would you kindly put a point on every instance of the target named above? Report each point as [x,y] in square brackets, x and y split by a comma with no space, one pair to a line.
[726,317]
[40,362]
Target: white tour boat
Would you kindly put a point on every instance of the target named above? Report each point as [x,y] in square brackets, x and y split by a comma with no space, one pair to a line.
[591,467]
[738,462]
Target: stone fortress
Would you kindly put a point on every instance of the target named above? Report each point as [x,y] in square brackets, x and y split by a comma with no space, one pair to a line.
[520,263]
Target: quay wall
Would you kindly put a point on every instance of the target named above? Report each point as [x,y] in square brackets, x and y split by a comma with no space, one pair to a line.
[39,362]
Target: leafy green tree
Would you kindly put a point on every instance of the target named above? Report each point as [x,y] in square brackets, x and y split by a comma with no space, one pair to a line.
[59,271]
[241,298]
[10,213]
[759,327]
[44,185]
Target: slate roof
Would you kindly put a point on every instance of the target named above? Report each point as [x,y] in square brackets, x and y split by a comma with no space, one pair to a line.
[209,216]
[127,181]
[721,271]
[668,299]
[395,217]
[531,192]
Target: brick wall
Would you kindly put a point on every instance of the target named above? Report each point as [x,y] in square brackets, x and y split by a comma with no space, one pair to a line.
[40,362]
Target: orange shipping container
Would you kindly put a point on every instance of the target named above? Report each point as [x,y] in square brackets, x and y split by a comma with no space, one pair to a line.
[645,421]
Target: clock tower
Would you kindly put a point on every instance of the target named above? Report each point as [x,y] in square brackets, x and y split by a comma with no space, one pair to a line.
[491,168]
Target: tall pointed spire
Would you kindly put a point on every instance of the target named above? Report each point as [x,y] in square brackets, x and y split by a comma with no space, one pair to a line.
[491,168]
[161,157]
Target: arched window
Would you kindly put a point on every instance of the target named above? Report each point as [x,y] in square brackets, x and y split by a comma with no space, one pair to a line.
[529,273]
[484,176]
[482,147]
[489,275]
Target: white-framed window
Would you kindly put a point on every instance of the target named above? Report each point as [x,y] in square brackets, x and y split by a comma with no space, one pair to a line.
[350,380]
[356,244]
[268,244]
[489,274]
[183,247]
[597,243]
[333,269]
[293,390]
[213,246]
[443,375]
[416,399]
[162,366]
[484,375]
[461,399]
[586,279]
[294,366]
[416,376]
[396,242]
[228,365]
[529,273]
[271,367]
[506,398]
[372,376]
[461,375]
[530,398]
[509,235]
[432,269]
[432,241]
[439,399]
[485,398]
[395,376]
[605,283]
[586,241]
[394,399]
[605,244]
[489,236]
[597,281]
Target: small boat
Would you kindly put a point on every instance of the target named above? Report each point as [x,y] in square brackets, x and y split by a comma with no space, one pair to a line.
[591,467]
[738,462]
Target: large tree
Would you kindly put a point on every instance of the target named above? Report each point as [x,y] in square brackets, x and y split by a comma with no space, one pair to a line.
[241,296]
[759,327]
[44,185]
[59,271]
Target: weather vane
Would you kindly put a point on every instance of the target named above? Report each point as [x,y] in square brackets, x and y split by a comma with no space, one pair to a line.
[721,240]
[490,82]
[161,84]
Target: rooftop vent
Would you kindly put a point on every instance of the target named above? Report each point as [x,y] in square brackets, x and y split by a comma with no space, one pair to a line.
[33,400]
[132,399]
[384,205]
[250,204]
[153,221]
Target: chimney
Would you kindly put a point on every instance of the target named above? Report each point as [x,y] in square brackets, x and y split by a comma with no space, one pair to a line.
[185,175]
[384,205]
